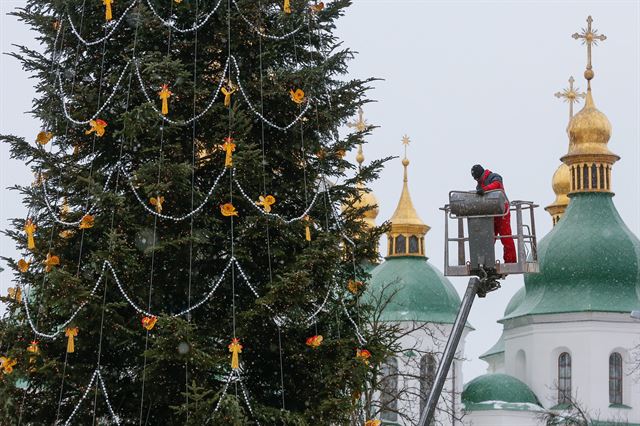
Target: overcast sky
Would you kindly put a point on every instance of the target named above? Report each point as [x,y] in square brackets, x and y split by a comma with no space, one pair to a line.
[469,82]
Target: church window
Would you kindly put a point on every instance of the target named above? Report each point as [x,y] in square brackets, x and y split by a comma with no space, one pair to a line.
[390,246]
[573,178]
[401,244]
[594,176]
[606,176]
[564,378]
[578,180]
[427,376]
[615,378]
[413,244]
[585,177]
[601,176]
[389,391]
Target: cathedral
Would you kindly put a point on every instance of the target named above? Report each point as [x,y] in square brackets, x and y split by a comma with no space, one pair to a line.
[566,353]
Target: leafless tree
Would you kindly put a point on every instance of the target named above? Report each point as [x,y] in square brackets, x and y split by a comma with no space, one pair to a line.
[576,413]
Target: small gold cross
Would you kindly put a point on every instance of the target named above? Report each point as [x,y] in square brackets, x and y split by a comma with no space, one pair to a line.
[360,124]
[571,95]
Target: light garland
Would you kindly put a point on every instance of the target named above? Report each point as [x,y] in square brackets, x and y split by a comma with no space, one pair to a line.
[115,26]
[255,111]
[193,28]
[165,118]
[274,215]
[235,376]
[96,374]
[104,105]
[263,34]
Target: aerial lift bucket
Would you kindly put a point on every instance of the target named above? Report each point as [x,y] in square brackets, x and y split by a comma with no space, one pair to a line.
[479,212]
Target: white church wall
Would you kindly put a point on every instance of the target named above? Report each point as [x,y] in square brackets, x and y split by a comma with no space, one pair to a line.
[495,363]
[501,418]
[589,338]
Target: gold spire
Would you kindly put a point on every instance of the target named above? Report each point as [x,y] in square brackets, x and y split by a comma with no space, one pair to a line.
[366,199]
[406,236]
[589,158]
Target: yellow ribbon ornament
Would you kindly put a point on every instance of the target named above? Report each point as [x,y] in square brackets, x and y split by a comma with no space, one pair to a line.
[229,147]
[43,137]
[97,127]
[164,95]
[7,364]
[235,348]
[71,332]
[50,262]
[307,228]
[30,229]
[157,203]
[266,202]
[86,222]
[15,293]
[286,7]
[107,13]
[227,91]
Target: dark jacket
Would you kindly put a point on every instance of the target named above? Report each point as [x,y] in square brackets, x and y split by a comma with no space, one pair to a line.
[489,181]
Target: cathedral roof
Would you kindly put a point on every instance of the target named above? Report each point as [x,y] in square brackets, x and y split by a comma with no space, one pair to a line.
[498,392]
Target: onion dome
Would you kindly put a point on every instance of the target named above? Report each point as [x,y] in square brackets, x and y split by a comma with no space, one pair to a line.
[415,289]
[499,392]
[561,184]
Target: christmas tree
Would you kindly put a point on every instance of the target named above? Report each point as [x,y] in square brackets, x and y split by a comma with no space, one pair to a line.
[187,256]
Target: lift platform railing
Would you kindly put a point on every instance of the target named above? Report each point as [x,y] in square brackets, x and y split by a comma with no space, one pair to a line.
[479,211]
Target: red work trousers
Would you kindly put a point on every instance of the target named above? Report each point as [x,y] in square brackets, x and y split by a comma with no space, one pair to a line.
[502,226]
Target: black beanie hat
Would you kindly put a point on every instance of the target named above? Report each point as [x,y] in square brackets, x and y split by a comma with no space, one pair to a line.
[477,171]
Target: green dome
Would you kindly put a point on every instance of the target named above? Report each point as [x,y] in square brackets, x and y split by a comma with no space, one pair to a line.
[498,391]
[422,293]
[589,262]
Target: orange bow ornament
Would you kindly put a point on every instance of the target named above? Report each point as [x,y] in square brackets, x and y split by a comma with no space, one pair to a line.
[23,265]
[107,13]
[164,95]
[287,6]
[33,347]
[97,126]
[157,203]
[86,222]
[297,96]
[228,210]
[64,208]
[266,202]
[43,138]
[227,91]
[71,332]
[354,286]
[15,294]
[149,322]
[30,229]
[235,348]
[229,147]
[315,341]
[7,364]
[50,262]
[363,355]
[67,233]
[317,7]
[373,423]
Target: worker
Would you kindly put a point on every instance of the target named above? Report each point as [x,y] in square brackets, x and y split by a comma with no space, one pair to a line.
[487,181]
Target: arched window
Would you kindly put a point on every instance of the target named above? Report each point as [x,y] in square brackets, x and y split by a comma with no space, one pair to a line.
[427,376]
[564,378]
[390,246]
[615,378]
[389,390]
[594,176]
[401,244]
[413,244]
[585,177]
[601,176]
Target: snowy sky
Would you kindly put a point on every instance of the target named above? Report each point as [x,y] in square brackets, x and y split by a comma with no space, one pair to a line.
[469,82]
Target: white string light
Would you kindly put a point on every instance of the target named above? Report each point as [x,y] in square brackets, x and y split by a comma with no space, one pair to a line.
[165,118]
[361,338]
[194,27]
[273,215]
[96,374]
[257,113]
[174,218]
[115,26]
[262,33]
[104,105]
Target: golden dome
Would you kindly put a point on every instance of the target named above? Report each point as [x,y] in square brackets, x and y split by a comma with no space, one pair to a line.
[589,131]
[366,199]
[561,184]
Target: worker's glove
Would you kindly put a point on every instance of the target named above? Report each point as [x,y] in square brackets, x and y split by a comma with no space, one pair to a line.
[480,191]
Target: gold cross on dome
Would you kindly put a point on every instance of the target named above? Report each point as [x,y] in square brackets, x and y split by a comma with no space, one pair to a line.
[405,141]
[571,95]
[360,124]
[589,37]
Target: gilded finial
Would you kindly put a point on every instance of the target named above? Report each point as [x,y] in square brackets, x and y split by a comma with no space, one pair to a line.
[589,37]
[405,161]
[360,156]
[360,124]
[571,95]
